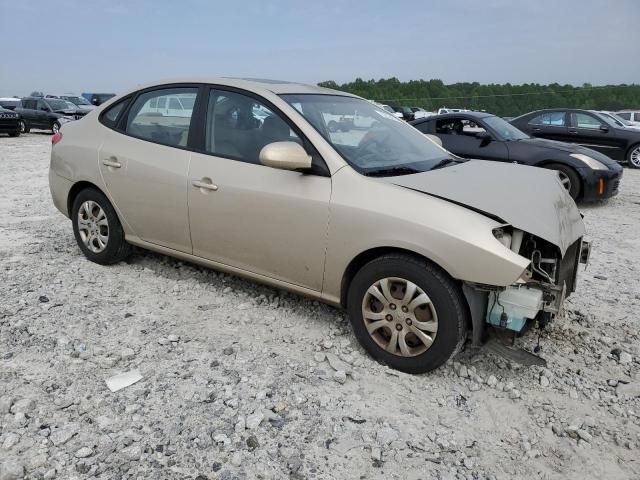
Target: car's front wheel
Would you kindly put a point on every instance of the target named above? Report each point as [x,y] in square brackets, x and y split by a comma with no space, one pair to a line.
[23,126]
[97,228]
[55,127]
[633,157]
[407,312]
[569,178]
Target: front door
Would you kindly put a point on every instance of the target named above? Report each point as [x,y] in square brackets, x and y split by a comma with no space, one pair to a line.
[145,169]
[249,216]
[592,132]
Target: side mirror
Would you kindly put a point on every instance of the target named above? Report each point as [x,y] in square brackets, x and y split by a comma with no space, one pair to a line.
[285,156]
[484,136]
[604,128]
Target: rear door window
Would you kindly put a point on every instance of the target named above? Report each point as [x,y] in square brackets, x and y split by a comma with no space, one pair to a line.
[584,120]
[160,125]
[550,119]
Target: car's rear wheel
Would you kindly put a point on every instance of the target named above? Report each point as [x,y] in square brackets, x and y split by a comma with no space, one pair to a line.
[23,126]
[55,127]
[569,178]
[633,157]
[407,312]
[97,228]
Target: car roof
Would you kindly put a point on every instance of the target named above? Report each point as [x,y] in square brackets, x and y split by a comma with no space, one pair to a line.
[257,85]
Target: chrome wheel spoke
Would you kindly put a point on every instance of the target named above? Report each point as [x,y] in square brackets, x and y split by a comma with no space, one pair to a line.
[431,327]
[402,341]
[409,292]
[393,341]
[373,326]
[375,291]
[385,284]
[419,300]
[369,315]
[423,337]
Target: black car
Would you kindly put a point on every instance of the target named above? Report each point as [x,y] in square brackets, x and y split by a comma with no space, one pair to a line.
[584,127]
[407,113]
[587,174]
[9,122]
[47,113]
[98,98]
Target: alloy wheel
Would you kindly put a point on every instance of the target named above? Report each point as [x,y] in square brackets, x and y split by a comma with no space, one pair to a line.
[634,158]
[400,317]
[22,126]
[566,181]
[55,128]
[93,226]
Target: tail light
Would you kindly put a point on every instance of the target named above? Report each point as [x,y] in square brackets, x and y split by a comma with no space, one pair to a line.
[56,138]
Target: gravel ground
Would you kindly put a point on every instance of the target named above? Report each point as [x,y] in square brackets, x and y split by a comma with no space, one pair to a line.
[240,380]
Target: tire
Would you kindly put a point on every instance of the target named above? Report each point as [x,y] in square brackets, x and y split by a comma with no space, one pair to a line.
[115,247]
[446,306]
[569,177]
[24,126]
[633,156]
[333,126]
[55,127]
[15,134]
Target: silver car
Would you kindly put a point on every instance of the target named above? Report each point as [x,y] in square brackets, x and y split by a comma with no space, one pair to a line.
[419,246]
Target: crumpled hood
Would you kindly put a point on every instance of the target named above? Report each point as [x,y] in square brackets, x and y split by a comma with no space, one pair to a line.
[528,198]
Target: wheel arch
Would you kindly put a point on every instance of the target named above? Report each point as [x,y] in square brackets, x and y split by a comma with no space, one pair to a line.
[547,163]
[366,256]
[77,188]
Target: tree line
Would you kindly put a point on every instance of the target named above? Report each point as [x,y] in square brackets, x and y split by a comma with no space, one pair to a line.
[501,99]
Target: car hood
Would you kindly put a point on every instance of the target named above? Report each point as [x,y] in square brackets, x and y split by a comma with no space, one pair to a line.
[528,198]
[568,148]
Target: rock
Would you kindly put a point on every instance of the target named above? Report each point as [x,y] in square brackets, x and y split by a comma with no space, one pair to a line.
[43,299]
[163,341]
[625,358]
[463,372]
[11,469]
[584,435]
[319,357]
[173,338]
[544,381]
[631,390]
[228,351]
[127,353]
[5,404]
[62,436]
[468,463]
[10,439]
[338,364]
[24,405]
[376,454]
[240,424]
[252,442]
[475,386]
[254,420]
[514,394]
[132,453]
[340,376]
[221,438]
[83,452]
[386,435]
[492,381]
[573,393]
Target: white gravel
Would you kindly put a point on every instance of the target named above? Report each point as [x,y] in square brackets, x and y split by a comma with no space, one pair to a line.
[237,381]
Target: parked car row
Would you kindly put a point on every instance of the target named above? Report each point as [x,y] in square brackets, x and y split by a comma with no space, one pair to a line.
[48,112]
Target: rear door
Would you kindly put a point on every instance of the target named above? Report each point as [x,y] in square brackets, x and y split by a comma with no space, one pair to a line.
[253,217]
[144,163]
[550,125]
[466,138]
[590,131]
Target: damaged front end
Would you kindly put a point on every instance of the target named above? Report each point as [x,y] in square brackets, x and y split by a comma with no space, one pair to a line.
[539,293]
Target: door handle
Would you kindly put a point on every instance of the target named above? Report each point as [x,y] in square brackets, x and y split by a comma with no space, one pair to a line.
[573,131]
[537,129]
[204,184]
[111,163]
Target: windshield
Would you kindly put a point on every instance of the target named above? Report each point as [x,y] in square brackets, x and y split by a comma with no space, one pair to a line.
[77,100]
[623,121]
[613,120]
[368,138]
[60,104]
[503,129]
[608,119]
[9,103]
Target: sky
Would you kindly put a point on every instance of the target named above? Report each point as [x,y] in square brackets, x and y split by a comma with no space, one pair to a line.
[75,46]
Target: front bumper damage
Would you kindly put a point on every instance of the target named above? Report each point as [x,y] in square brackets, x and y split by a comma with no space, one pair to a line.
[538,295]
